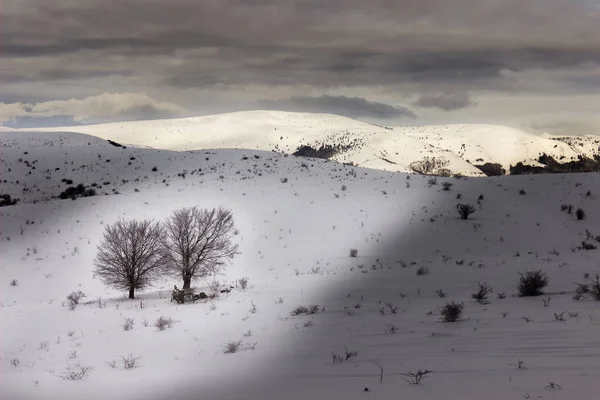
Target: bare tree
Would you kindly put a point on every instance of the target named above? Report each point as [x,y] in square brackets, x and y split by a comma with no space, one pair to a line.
[198,242]
[129,256]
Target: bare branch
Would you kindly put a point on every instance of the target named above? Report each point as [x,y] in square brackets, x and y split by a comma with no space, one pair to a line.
[198,242]
[129,255]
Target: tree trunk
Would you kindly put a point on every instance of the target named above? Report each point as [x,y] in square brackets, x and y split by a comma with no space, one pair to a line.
[131,293]
[187,281]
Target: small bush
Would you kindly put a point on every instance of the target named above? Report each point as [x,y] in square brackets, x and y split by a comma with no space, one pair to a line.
[446,186]
[452,311]
[391,328]
[14,282]
[128,325]
[214,286]
[313,309]
[243,283]
[423,270]
[353,252]
[299,310]
[532,283]
[163,323]
[416,378]
[522,192]
[74,298]
[232,347]
[588,246]
[464,210]
[101,304]
[482,294]
[348,354]
[130,361]
[594,288]
[154,169]
[582,288]
[580,213]
[76,372]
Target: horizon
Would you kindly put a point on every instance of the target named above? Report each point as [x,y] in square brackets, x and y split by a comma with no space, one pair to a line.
[35,124]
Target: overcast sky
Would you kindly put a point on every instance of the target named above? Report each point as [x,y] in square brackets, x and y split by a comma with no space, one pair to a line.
[517,62]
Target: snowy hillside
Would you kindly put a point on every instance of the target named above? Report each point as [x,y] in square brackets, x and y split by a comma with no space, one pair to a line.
[298,219]
[503,145]
[370,146]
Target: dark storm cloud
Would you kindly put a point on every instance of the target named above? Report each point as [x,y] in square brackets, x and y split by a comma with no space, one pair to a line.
[354,107]
[421,40]
[444,100]
[481,69]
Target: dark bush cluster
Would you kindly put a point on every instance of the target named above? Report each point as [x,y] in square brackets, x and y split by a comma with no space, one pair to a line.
[532,283]
[116,144]
[490,169]
[551,166]
[6,200]
[567,207]
[325,151]
[73,192]
[313,309]
[588,246]
[452,311]
[464,210]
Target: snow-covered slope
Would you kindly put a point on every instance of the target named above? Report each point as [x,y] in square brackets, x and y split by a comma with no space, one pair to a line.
[498,144]
[371,146]
[295,236]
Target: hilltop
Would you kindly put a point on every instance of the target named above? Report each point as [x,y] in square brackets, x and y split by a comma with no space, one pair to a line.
[364,144]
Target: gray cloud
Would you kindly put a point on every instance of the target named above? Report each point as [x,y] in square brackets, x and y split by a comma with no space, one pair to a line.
[64,48]
[447,101]
[432,40]
[353,107]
